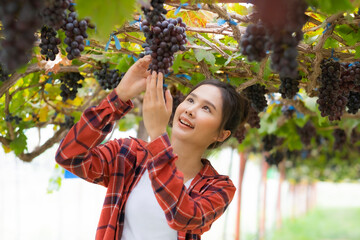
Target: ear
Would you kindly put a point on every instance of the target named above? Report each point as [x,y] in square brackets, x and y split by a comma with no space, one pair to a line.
[224,134]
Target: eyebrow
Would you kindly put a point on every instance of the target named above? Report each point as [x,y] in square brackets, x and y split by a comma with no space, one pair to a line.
[206,101]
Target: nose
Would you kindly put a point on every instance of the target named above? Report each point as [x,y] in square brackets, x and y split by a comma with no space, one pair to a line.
[190,111]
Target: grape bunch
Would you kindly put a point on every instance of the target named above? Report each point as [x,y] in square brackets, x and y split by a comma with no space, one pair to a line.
[288,111]
[353,104]
[3,74]
[284,32]
[331,101]
[69,122]
[70,84]
[269,141]
[107,78]
[307,132]
[284,53]
[75,31]
[20,20]
[162,41]
[253,42]
[274,158]
[240,133]
[178,98]
[49,43]
[256,94]
[10,118]
[351,75]
[54,14]
[355,136]
[347,78]
[289,86]
[155,12]
[340,138]
[253,118]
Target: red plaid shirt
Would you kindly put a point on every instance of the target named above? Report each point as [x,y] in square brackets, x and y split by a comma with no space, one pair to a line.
[119,164]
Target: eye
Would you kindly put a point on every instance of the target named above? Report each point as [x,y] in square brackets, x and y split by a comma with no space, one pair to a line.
[190,100]
[207,108]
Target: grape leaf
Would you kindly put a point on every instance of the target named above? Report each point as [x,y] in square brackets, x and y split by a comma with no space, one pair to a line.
[105,17]
[19,144]
[202,54]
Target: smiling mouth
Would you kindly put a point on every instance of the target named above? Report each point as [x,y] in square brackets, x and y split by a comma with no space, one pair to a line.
[186,124]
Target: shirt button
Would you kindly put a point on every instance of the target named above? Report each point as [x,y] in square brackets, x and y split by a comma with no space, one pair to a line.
[116,104]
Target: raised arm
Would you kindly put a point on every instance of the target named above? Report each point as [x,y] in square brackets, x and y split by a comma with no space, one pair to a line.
[80,152]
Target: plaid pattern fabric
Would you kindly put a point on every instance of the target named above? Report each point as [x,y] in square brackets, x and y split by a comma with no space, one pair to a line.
[119,164]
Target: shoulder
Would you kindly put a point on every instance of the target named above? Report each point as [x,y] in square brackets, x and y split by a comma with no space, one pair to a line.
[210,179]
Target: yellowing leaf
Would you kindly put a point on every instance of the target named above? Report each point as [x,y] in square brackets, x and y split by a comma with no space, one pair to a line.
[6,149]
[270,108]
[192,18]
[238,8]
[43,114]
[54,66]
[76,102]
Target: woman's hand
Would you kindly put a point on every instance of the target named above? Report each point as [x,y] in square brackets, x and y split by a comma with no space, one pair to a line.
[134,81]
[156,112]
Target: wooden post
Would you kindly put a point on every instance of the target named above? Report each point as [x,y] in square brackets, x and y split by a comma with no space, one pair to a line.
[281,167]
[241,176]
[264,169]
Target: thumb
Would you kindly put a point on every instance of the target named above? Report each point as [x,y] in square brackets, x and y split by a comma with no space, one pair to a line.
[169,100]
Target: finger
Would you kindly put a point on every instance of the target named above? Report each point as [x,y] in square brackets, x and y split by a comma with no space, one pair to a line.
[147,91]
[169,101]
[152,88]
[160,88]
[145,61]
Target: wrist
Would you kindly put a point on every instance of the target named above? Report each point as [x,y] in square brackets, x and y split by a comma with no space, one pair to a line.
[122,96]
[154,135]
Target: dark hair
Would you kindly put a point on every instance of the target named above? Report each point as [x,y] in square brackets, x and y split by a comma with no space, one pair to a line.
[235,108]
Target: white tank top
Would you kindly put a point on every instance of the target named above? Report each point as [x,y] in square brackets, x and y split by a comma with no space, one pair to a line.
[144,218]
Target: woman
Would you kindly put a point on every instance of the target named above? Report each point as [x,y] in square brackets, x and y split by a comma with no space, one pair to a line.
[163,189]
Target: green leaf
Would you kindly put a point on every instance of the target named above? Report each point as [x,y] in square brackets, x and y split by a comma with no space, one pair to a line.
[335,6]
[106,14]
[19,144]
[331,43]
[176,64]
[357,53]
[202,54]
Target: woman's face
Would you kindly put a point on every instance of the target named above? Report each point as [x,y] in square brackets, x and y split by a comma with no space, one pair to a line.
[197,119]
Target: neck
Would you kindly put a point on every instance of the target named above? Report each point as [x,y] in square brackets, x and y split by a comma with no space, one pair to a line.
[189,158]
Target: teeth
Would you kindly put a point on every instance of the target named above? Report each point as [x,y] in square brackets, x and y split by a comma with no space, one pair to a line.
[186,124]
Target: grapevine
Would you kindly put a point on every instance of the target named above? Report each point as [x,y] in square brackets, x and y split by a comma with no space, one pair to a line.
[331,102]
[54,15]
[253,42]
[269,141]
[353,103]
[240,133]
[253,118]
[69,122]
[70,85]
[75,31]
[164,37]
[307,132]
[256,94]
[108,79]
[289,86]
[49,43]
[178,98]
[284,32]
[275,158]
[340,138]
[10,118]
[20,20]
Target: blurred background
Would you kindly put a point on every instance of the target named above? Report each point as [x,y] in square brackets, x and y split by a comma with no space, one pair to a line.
[37,201]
